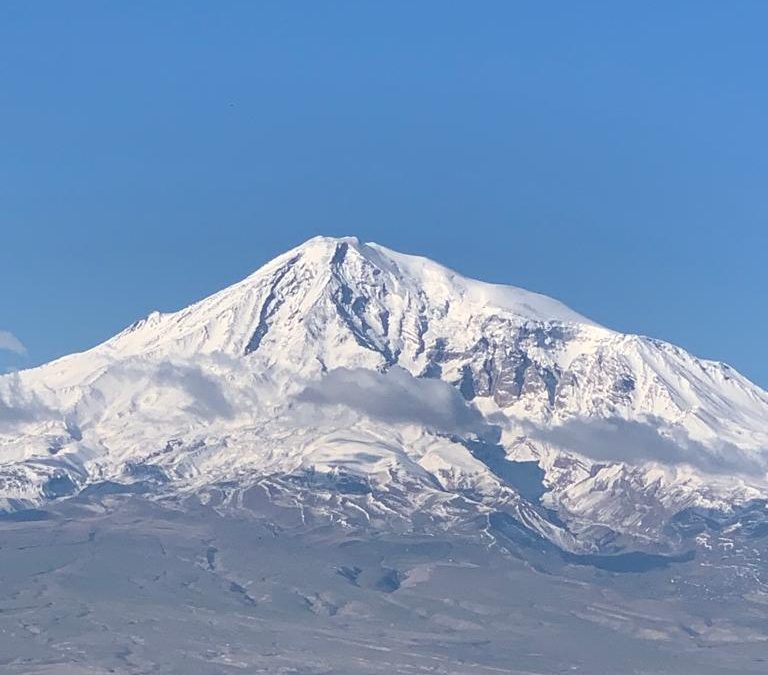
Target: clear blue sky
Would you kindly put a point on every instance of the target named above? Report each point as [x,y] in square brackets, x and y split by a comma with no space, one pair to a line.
[613,155]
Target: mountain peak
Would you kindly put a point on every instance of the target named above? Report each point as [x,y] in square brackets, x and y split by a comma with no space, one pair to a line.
[433,277]
[384,299]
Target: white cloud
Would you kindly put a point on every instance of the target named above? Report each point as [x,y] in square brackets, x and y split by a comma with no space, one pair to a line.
[10,343]
[620,440]
[398,397]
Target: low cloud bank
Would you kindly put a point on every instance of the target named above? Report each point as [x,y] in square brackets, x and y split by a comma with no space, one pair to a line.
[205,390]
[398,397]
[18,406]
[620,440]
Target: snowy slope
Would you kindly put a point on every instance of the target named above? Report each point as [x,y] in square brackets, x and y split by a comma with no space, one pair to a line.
[343,360]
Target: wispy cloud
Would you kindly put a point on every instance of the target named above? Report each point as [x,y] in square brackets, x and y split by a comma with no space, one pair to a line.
[10,343]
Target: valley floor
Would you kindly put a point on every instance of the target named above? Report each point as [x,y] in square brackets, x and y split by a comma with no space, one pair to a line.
[131,586]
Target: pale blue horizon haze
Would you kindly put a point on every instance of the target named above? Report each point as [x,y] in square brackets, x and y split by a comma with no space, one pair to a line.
[611,155]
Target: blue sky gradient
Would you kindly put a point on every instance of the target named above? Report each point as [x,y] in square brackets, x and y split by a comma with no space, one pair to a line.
[612,155]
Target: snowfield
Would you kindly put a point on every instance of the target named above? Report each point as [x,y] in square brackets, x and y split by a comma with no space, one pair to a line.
[329,450]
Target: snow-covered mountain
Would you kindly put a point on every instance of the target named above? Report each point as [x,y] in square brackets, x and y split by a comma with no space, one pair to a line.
[358,384]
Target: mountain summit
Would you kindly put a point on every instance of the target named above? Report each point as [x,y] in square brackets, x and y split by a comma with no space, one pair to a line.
[344,368]
[383,299]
